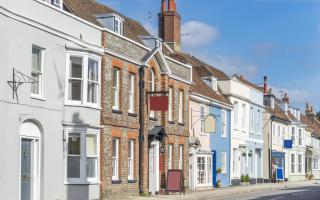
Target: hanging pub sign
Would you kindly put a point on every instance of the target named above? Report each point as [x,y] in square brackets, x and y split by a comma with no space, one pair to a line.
[287,144]
[210,124]
[159,103]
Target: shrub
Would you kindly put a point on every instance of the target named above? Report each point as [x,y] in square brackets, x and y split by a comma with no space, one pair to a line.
[219,170]
[247,178]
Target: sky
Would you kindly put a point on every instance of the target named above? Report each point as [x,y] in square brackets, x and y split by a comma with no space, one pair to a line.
[275,38]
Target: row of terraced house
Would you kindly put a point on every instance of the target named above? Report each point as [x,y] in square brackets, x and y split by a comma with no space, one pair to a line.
[77,79]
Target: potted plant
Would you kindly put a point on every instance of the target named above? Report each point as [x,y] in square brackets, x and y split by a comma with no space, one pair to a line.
[219,170]
[219,184]
[245,180]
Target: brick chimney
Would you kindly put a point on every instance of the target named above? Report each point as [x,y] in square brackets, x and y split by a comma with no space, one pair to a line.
[286,98]
[170,25]
[265,85]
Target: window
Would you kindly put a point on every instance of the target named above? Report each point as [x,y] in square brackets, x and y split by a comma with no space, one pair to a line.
[151,87]
[283,134]
[131,93]
[56,3]
[116,89]
[292,163]
[83,80]
[223,123]
[170,156]
[82,155]
[181,157]
[244,111]
[236,114]
[279,135]
[118,26]
[115,159]
[170,107]
[293,136]
[202,118]
[259,122]
[204,169]
[315,163]
[251,120]
[214,84]
[223,162]
[300,163]
[131,160]
[235,162]
[37,71]
[93,81]
[181,99]
[273,134]
[300,137]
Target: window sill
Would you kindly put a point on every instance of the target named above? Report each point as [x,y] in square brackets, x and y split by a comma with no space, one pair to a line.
[96,107]
[132,114]
[82,183]
[153,119]
[116,182]
[132,181]
[171,122]
[117,111]
[36,97]
[181,124]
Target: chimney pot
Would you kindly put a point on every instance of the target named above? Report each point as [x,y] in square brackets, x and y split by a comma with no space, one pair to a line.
[265,86]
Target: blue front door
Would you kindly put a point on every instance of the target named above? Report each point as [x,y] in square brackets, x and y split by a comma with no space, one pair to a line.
[214,168]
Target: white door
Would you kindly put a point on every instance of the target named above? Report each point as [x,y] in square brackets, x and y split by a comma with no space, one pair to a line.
[191,173]
[154,167]
[29,172]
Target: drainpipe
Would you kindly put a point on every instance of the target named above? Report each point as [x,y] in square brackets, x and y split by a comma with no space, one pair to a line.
[141,123]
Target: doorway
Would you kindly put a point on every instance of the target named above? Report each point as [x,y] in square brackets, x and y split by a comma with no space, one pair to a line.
[154,174]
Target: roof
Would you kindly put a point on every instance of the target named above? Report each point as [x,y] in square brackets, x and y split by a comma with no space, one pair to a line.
[88,9]
[278,113]
[200,87]
[202,68]
[315,126]
[248,83]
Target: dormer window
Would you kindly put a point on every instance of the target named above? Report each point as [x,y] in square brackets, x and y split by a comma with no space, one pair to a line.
[57,3]
[212,82]
[111,21]
[118,26]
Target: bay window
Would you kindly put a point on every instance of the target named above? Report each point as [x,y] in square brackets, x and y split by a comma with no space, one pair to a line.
[116,89]
[37,71]
[115,159]
[82,155]
[131,92]
[131,160]
[83,80]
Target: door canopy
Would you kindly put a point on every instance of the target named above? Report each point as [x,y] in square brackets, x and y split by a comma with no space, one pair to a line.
[157,133]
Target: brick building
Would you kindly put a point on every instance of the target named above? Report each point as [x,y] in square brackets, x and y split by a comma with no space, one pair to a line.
[137,149]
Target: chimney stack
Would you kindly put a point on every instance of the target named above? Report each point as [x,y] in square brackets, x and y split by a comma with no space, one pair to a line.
[265,85]
[170,25]
[286,98]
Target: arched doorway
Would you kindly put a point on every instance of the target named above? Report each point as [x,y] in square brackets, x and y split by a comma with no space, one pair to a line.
[30,135]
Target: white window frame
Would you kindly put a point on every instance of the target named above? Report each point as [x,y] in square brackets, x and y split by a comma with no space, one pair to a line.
[235,162]
[244,113]
[259,122]
[202,119]
[300,164]
[224,123]
[118,23]
[131,93]
[251,119]
[57,3]
[170,107]
[95,82]
[170,160]
[236,114]
[152,85]
[300,137]
[115,176]
[84,91]
[115,89]
[180,110]
[207,170]
[292,163]
[293,136]
[180,161]
[224,162]
[83,133]
[40,73]
[131,144]
[279,135]
[315,163]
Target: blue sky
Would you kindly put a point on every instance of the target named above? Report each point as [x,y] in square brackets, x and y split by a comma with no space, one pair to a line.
[278,38]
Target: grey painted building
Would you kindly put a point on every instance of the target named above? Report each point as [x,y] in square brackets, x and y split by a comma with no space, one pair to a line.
[51,148]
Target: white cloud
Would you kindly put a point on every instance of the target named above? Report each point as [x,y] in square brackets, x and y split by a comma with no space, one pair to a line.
[151,28]
[297,96]
[197,34]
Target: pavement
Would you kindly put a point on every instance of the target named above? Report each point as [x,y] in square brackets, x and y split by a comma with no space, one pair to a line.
[305,190]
